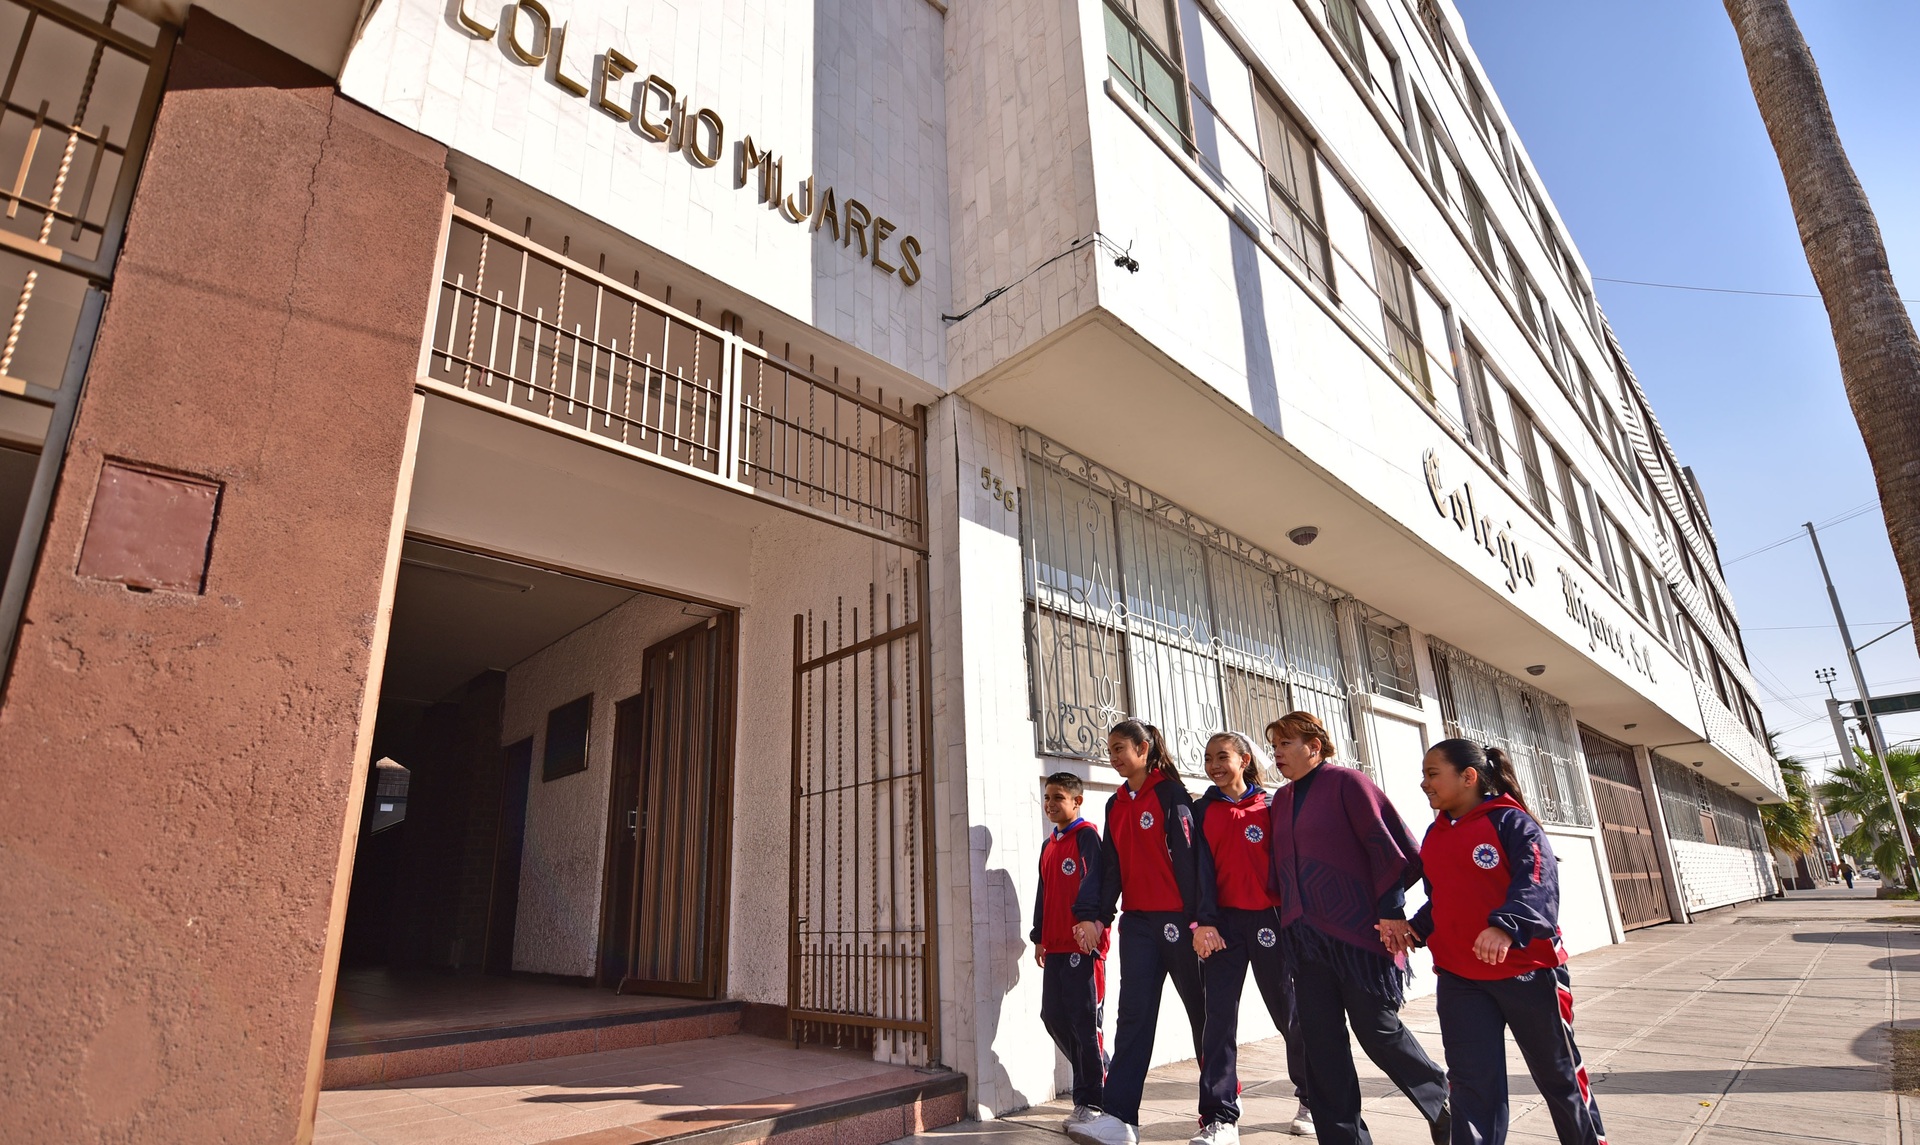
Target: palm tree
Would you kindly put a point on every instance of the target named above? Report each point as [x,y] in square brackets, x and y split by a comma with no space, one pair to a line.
[1792,825]
[1857,789]
[1879,353]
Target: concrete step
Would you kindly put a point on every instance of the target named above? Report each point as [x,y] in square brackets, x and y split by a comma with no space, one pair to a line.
[372,1059]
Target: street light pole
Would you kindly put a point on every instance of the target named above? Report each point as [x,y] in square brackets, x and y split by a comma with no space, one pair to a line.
[1874,738]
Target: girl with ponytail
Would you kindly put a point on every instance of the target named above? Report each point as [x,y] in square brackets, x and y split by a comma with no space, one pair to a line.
[1150,867]
[1492,923]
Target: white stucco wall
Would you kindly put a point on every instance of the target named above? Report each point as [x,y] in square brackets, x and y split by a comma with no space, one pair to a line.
[557,929]
[848,91]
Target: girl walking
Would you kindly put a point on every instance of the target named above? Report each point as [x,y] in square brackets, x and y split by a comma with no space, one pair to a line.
[1342,860]
[1150,868]
[1239,927]
[1492,923]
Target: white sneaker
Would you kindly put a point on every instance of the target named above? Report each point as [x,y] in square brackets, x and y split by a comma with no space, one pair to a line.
[1217,1133]
[1302,1122]
[1104,1129]
[1080,1116]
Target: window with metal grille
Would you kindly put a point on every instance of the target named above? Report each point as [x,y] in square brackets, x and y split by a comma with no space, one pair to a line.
[1395,279]
[1137,607]
[1486,428]
[1679,805]
[1140,58]
[1293,187]
[1390,669]
[1483,704]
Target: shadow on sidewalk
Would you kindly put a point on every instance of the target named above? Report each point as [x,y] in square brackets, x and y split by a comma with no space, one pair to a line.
[1773,1079]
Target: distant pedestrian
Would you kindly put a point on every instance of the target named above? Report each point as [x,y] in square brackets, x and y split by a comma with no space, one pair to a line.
[1846,872]
[1492,923]
[1342,860]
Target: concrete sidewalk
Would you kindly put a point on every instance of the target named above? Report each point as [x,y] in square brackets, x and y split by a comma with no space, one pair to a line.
[1760,1023]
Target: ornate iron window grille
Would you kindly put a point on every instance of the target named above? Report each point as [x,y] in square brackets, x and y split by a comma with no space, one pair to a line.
[1481,703]
[1137,606]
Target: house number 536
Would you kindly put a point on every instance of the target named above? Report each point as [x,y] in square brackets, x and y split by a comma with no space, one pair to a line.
[998,490]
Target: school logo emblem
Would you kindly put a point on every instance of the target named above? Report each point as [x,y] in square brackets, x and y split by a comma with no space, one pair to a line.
[1266,937]
[1146,820]
[1073,960]
[1172,932]
[1254,833]
[1485,857]
[1068,866]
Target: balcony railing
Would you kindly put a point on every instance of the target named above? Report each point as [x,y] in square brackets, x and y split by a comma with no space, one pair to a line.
[1731,738]
[526,330]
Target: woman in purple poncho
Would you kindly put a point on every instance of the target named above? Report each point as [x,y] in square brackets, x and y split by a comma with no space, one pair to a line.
[1342,860]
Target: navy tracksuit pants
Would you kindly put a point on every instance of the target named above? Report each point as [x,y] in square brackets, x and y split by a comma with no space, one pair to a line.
[1253,939]
[1154,946]
[1538,1008]
[1070,998]
[1328,1000]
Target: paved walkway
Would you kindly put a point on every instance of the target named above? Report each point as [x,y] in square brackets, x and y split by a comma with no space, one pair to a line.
[1762,1023]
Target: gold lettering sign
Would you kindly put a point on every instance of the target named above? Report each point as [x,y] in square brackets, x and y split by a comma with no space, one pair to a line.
[655,109]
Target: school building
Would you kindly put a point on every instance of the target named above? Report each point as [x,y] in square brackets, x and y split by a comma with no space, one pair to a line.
[628,499]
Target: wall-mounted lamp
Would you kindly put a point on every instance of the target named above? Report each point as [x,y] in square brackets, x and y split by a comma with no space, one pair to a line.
[1304,535]
[1629,727]
[1536,669]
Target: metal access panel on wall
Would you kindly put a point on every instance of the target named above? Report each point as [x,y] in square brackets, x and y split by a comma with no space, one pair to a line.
[861,957]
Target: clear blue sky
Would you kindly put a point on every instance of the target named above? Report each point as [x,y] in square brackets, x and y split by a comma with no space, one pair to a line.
[1638,115]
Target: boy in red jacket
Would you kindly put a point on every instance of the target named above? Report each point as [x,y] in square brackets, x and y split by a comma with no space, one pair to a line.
[1492,923]
[1074,984]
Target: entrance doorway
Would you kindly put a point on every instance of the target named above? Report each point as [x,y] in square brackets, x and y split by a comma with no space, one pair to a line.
[1620,803]
[667,830]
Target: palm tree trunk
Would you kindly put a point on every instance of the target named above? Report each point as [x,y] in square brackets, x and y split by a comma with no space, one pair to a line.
[1879,354]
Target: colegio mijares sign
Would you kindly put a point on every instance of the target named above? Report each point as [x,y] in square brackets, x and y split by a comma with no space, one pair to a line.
[657,110]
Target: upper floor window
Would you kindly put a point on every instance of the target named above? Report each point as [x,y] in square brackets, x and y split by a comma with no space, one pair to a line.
[1525,438]
[1486,427]
[1436,27]
[1477,219]
[1395,279]
[1570,501]
[1343,16]
[1430,147]
[1293,189]
[1140,55]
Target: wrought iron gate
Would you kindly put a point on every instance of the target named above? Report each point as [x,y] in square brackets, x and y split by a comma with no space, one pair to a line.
[861,960]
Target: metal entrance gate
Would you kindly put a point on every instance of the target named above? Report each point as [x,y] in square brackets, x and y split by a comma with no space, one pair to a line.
[1632,851]
[861,955]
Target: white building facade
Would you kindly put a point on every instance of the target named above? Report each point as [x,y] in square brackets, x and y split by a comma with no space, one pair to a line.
[987,373]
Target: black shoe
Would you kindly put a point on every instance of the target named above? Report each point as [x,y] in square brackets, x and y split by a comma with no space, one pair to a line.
[1442,1126]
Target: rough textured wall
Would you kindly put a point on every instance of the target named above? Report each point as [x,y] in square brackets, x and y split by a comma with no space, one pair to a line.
[557,929]
[177,770]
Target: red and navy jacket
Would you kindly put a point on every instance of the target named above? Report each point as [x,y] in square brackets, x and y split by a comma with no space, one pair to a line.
[1235,854]
[1149,850]
[1070,865]
[1490,867]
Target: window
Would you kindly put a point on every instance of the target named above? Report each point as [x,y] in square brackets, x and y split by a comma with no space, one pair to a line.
[1481,114]
[1436,165]
[1570,498]
[1395,279]
[1654,598]
[1477,219]
[1630,563]
[1344,18]
[1431,20]
[1522,291]
[1136,607]
[1486,431]
[1607,533]
[1293,189]
[1140,59]
[1524,436]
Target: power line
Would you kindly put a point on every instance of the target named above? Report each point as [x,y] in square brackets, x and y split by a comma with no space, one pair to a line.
[1810,627]
[1713,289]
[1849,515]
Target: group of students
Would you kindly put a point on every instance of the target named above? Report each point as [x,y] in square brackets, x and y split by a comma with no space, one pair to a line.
[1305,885]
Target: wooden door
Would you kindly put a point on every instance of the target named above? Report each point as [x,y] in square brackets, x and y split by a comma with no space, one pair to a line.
[668,837]
[1633,853]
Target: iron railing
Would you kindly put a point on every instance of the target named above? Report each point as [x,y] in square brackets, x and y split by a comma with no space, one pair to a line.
[76,107]
[528,330]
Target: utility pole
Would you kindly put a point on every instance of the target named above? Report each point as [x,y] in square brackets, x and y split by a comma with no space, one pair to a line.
[1874,739]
